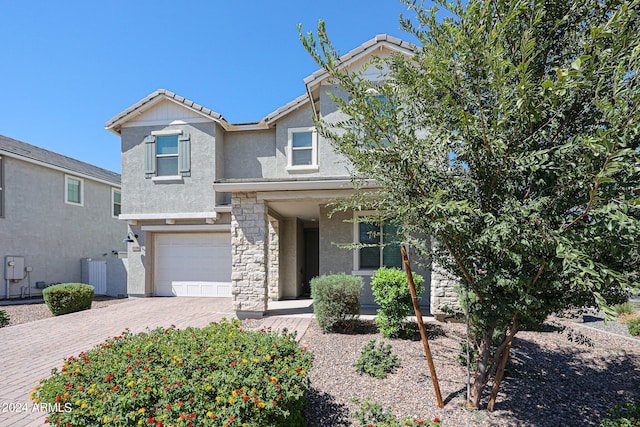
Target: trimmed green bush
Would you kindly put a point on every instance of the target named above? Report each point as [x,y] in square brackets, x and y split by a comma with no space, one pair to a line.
[336,301]
[219,375]
[392,293]
[4,318]
[634,326]
[68,298]
[376,362]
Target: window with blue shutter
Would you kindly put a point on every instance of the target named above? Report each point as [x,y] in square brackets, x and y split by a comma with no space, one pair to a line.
[167,154]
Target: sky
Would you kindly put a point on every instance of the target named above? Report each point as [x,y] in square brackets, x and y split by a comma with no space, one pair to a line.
[69,66]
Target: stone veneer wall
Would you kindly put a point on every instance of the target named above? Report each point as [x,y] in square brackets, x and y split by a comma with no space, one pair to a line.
[249,236]
[443,292]
[273,257]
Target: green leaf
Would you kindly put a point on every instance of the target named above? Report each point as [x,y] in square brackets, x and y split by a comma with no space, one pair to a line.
[576,64]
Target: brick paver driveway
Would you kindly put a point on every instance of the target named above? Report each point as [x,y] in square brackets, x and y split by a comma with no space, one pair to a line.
[29,351]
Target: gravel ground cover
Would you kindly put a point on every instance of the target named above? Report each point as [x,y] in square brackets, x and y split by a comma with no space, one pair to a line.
[569,375]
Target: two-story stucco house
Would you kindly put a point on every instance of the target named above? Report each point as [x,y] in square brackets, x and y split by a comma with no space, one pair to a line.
[54,212]
[221,209]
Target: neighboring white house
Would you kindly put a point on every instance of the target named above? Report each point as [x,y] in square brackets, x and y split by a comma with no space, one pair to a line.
[55,212]
[221,209]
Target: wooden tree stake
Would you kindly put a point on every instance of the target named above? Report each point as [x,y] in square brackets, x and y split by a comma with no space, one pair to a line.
[423,333]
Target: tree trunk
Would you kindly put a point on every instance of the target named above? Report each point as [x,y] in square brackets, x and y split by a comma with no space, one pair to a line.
[481,377]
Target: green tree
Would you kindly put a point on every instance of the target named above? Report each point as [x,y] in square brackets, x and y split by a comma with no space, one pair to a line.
[511,137]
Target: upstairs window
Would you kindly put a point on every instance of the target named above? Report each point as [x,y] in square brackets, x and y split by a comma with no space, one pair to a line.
[74,190]
[167,154]
[302,149]
[116,203]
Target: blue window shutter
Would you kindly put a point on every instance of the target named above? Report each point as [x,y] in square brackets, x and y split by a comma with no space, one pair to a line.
[184,154]
[149,156]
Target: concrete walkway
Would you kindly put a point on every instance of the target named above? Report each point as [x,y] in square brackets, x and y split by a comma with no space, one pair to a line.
[29,351]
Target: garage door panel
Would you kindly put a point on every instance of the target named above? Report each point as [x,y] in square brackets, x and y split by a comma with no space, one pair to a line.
[193,264]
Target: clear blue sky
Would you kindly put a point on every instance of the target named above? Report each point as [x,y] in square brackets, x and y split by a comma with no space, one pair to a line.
[70,66]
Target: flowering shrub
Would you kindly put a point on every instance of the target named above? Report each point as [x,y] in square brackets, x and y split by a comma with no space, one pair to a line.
[373,415]
[219,375]
[627,415]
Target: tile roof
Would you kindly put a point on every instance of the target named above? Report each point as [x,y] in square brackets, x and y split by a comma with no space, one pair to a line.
[379,39]
[152,98]
[115,124]
[14,148]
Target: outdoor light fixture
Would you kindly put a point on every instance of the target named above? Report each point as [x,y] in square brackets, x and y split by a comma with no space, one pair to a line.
[130,237]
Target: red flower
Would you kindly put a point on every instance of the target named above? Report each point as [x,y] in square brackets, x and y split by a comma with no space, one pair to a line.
[168,406]
[436,420]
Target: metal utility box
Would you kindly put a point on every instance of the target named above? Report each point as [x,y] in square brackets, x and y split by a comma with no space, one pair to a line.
[14,267]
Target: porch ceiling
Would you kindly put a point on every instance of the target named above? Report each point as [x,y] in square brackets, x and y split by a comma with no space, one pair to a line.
[307,211]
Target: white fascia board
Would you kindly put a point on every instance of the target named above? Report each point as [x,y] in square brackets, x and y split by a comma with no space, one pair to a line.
[305,194]
[197,227]
[58,168]
[253,186]
[156,216]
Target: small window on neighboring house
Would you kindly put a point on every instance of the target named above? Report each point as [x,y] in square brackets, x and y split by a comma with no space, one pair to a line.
[382,250]
[74,190]
[116,203]
[302,149]
[167,154]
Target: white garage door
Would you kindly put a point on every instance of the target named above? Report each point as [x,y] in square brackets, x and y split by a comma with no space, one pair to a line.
[193,264]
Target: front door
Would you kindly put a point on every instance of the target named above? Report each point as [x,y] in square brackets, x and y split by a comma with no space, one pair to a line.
[311,258]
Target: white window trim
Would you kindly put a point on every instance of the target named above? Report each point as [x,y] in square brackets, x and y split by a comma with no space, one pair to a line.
[314,150]
[167,132]
[113,201]
[167,178]
[66,190]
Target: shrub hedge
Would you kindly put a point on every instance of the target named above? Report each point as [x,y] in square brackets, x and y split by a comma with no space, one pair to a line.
[213,376]
[68,298]
[392,293]
[336,301]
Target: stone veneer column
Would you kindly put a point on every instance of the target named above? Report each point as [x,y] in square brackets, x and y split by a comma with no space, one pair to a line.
[273,259]
[249,236]
[443,293]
